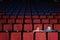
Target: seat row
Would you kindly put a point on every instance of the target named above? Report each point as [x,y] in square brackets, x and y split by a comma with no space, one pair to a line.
[29,36]
[33,17]
[52,21]
[27,27]
[51,13]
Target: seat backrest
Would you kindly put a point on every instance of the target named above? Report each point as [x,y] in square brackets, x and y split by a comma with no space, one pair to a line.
[18,27]
[57,27]
[4,36]
[27,27]
[7,27]
[53,36]
[40,36]
[15,36]
[28,36]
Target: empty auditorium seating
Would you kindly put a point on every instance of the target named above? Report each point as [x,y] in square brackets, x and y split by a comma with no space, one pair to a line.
[50,17]
[7,27]
[58,20]
[4,36]
[11,21]
[20,17]
[18,27]
[0,17]
[40,36]
[12,17]
[28,17]
[36,21]
[28,20]
[53,13]
[57,27]
[52,36]
[35,17]
[38,25]
[57,17]
[15,36]
[45,20]
[19,20]
[2,13]
[53,21]
[28,36]
[27,27]
[2,20]
[0,27]
[5,17]
[42,17]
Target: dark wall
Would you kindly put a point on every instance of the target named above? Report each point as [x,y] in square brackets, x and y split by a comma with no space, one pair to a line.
[25,0]
[31,0]
[1,0]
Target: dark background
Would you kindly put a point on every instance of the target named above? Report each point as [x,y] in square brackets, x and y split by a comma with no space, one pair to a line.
[30,0]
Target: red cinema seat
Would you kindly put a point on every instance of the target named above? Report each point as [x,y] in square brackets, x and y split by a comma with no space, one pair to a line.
[50,17]
[59,13]
[19,20]
[57,17]
[37,25]
[28,20]
[27,27]
[12,17]
[58,20]
[1,13]
[40,36]
[0,27]
[42,17]
[2,20]
[5,17]
[46,25]
[53,13]
[35,17]
[7,27]
[15,36]
[52,21]
[11,20]
[18,27]
[29,17]
[4,36]
[53,36]
[20,17]
[45,20]
[36,21]
[27,36]
[0,17]
[57,27]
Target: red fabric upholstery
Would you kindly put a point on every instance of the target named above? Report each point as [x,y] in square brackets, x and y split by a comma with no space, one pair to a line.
[52,36]
[28,20]
[40,36]
[19,20]
[8,27]
[15,36]
[45,20]
[57,26]
[27,36]
[17,27]
[36,21]
[27,27]
[4,36]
